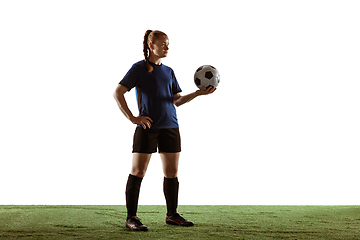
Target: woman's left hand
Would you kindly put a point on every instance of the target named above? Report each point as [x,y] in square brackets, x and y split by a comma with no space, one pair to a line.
[204,91]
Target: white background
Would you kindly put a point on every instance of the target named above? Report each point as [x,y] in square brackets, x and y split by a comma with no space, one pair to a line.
[282,128]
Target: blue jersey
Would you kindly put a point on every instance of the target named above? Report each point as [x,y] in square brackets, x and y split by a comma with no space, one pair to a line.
[154,92]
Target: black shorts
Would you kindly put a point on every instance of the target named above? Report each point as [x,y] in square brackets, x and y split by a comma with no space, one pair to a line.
[149,140]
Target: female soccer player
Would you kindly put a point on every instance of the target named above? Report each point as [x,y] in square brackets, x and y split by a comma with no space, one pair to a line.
[157,92]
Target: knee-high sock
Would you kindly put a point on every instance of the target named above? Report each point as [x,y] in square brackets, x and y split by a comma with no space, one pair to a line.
[171,191]
[132,195]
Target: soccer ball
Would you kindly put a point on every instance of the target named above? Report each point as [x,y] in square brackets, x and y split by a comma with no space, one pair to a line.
[207,76]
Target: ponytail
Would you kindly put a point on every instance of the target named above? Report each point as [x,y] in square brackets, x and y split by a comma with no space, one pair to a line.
[146,51]
[150,36]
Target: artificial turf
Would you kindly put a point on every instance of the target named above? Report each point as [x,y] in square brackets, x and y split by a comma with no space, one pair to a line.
[211,222]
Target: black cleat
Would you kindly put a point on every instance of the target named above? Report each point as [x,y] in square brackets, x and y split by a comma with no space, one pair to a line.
[134,224]
[178,220]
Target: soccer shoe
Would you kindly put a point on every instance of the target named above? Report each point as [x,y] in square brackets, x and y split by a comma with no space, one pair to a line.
[178,220]
[134,224]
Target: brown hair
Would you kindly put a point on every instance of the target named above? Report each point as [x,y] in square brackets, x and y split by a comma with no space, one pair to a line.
[150,36]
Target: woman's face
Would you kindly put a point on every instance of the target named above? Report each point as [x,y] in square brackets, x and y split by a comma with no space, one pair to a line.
[160,47]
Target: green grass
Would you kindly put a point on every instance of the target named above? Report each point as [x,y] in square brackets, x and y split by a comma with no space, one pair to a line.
[211,222]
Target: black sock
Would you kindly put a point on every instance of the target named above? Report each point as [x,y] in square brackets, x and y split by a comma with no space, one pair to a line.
[132,195]
[171,191]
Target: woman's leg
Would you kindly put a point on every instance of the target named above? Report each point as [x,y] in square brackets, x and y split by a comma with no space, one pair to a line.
[140,163]
[170,162]
[138,170]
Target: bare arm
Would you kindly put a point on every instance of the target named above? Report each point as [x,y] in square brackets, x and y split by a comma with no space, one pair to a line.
[121,102]
[180,100]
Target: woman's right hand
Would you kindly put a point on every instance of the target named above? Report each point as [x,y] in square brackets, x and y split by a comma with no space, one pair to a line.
[143,121]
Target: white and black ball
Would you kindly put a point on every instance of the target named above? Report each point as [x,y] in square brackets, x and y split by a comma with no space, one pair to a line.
[207,76]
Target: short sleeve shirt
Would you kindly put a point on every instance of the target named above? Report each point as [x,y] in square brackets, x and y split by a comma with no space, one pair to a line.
[154,92]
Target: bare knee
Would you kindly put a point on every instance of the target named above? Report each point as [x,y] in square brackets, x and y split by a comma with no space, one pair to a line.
[170,163]
[171,172]
[140,164]
[170,175]
[138,172]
